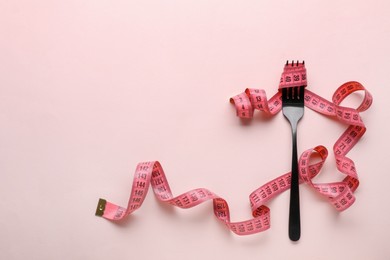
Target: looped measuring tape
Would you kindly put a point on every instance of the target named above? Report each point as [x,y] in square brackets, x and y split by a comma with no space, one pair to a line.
[339,194]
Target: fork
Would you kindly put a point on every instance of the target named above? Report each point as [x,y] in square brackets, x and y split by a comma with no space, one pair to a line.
[293,107]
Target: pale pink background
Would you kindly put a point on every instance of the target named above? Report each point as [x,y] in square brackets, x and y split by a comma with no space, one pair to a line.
[90,88]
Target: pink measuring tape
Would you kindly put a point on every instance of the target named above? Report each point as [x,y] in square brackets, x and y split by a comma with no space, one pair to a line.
[339,194]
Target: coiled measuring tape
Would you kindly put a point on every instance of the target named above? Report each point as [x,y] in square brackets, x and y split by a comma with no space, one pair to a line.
[339,194]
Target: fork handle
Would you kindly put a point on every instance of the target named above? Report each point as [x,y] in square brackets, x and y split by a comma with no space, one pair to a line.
[294,225]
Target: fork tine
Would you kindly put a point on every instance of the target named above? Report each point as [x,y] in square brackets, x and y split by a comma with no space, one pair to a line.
[290,92]
[301,93]
[296,93]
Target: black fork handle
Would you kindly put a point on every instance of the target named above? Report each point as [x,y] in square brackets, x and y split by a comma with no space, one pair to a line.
[294,222]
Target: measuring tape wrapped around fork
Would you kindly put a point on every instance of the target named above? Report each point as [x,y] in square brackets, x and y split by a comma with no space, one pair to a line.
[340,194]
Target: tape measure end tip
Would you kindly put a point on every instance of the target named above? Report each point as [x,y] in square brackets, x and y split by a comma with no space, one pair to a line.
[100,207]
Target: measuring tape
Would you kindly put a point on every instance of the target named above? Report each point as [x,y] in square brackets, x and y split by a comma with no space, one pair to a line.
[339,194]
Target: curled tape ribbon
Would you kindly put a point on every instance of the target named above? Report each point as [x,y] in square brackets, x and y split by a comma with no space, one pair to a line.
[339,194]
